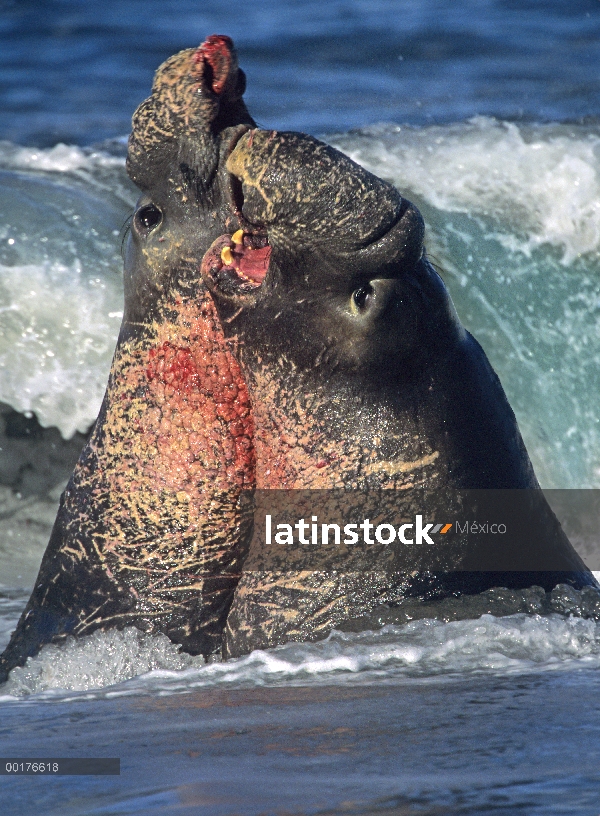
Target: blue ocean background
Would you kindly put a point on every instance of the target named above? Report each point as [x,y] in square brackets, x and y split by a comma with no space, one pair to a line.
[73,70]
[485,113]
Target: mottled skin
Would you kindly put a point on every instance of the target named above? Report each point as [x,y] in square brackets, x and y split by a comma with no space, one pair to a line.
[344,367]
[152,527]
[360,376]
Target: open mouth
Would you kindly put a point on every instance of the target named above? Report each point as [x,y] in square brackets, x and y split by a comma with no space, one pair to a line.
[237,264]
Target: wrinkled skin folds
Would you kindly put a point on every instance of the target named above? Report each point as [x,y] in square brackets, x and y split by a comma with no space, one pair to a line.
[283,331]
[361,377]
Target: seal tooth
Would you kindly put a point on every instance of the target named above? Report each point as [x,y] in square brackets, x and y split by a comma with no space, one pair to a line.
[238,237]
[226,256]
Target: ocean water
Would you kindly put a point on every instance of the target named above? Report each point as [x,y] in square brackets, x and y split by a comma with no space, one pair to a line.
[485,114]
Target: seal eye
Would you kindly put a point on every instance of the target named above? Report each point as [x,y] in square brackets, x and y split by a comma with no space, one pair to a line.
[361,298]
[149,216]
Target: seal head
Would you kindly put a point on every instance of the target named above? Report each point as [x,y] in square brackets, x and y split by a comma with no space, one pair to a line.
[334,238]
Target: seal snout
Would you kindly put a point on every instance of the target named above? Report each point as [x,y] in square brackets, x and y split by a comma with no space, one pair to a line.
[196,100]
[219,67]
[216,54]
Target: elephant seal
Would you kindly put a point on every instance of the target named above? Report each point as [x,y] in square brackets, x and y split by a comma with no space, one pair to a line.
[361,377]
[152,527]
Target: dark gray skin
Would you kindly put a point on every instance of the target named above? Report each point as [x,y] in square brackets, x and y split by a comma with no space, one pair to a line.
[359,371]
[361,376]
[152,529]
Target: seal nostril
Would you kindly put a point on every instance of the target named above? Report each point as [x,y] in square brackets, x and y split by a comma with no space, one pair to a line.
[237,193]
[209,74]
[219,62]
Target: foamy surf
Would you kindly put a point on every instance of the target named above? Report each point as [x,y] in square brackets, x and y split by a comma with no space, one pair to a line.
[111,664]
[61,301]
[513,221]
[55,350]
[533,185]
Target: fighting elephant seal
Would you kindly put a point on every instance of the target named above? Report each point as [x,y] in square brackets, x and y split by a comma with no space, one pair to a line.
[361,377]
[357,390]
[151,527]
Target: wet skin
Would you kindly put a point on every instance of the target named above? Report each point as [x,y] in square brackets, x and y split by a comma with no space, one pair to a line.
[152,527]
[321,351]
[360,376]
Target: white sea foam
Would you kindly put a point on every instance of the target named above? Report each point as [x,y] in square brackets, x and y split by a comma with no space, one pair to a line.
[423,648]
[61,301]
[61,158]
[56,348]
[533,185]
[100,659]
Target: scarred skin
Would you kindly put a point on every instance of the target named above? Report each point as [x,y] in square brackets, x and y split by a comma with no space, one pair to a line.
[328,356]
[360,376]
[152,527]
